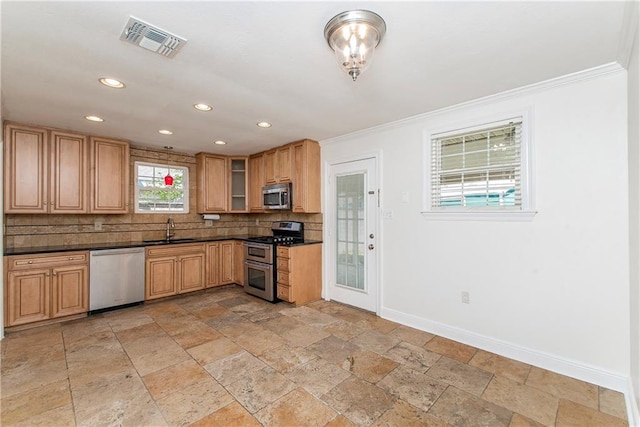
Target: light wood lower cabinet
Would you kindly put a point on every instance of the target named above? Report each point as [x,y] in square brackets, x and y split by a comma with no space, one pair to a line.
[174,269]
[225,263]
[44,287]
[299,271]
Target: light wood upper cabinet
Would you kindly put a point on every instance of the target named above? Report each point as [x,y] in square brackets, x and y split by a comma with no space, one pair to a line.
[26,170]
[68,177]
[45,171]
[211,183]
[43,287]
[109,176]
[306,177]
[277,165]
[256,182]
[238,184]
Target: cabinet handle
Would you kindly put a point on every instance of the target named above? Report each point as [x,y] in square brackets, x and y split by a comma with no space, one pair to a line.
[55,274]
[71,258]
[29,262]
[47,274]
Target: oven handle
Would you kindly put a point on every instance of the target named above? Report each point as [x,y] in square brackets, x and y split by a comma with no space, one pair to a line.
[257,245]
[258,264]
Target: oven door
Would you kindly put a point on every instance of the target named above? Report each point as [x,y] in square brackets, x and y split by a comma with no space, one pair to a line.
[259,280]
[258,252]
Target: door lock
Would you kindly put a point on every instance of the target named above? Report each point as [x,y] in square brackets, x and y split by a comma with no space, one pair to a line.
[371,247]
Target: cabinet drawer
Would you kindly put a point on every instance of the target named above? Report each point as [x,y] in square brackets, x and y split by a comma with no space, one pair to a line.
[175,249]
[284,292]
[29,261]
[282,251]
[283,264]
[283,278]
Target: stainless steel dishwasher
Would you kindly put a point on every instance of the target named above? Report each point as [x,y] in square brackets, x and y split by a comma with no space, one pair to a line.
[116,278]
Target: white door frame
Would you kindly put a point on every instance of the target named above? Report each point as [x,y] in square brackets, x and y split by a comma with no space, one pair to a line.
[329,222]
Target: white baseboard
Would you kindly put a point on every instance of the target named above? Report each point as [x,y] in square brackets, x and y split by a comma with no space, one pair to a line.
[551,362]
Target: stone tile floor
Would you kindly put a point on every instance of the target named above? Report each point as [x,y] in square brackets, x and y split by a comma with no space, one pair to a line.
[223,358]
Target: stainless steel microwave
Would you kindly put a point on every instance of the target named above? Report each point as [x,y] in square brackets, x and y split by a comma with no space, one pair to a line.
[276,196]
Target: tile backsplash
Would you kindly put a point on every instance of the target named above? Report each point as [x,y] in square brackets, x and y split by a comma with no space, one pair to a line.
[23,230]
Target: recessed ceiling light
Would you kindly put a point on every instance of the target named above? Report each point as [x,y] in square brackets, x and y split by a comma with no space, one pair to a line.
[263,124]
[165,132]
[114,83]
[218,142]
[203,107]
[94,118]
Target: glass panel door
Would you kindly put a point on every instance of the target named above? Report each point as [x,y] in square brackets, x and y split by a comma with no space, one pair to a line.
[350,232]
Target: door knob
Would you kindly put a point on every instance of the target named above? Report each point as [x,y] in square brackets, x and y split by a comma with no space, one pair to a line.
[371,236]
[371,247]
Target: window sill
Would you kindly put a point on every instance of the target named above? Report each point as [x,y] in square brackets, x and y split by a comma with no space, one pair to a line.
[511,216]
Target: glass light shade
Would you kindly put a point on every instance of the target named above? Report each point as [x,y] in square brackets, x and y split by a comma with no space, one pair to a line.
[353,36]
[168,180]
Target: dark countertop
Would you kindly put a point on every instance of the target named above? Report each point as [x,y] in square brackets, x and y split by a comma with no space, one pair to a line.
[123,245]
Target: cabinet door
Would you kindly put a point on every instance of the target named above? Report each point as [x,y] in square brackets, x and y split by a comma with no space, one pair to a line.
[213,264]
[190,272]
[238,185]
[238,262]
[69,290]
[256,182]
[211,176]
[226,262]
[109,176]
[306,177]
[68,177]
[284,164]
[25,169]
[270,167]
[160,277]
[28,298]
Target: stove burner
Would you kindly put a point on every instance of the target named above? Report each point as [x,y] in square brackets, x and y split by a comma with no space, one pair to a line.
[285,232]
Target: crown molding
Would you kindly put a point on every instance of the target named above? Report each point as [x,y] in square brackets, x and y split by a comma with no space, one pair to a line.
[628,32]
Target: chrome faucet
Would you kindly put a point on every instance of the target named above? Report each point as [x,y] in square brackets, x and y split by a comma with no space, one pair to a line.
[170,225]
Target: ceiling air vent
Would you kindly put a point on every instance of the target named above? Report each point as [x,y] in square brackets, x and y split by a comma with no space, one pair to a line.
[151,38]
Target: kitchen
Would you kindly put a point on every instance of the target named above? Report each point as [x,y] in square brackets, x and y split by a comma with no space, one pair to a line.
[543,283]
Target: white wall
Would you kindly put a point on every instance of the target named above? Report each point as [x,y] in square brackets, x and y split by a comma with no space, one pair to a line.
[553,291]
[633,91]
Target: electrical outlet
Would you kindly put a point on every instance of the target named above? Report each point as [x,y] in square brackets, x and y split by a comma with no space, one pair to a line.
[97,226]
[208,223]
[465,297]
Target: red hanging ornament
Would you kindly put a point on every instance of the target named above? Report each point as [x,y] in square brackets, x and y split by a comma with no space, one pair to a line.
[168,180]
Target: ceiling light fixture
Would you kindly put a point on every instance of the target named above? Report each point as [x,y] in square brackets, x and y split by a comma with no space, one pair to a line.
[353,36]
[114,83]
[219,142]
[203,107]
[165,132]
[94,118]
[263,125]
[168,179]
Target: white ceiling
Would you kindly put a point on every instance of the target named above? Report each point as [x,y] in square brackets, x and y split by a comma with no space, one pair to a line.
[269,61]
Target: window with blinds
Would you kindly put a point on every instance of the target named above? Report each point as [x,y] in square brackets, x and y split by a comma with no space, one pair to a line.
[480,168]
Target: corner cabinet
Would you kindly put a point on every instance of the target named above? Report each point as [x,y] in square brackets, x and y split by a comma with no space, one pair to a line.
[109,176]
[174,269]
[306,176]
[45,171]
[45,287]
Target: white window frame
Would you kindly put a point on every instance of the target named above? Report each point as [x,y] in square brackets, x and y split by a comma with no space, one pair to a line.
[185,195]
[525,212]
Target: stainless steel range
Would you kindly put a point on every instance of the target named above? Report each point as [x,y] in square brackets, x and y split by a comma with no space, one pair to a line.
[260,258]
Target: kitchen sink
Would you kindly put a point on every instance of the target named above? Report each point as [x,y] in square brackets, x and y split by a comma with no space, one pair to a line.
[165,241]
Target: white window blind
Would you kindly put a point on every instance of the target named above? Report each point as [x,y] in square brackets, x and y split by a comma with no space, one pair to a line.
[478,168]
